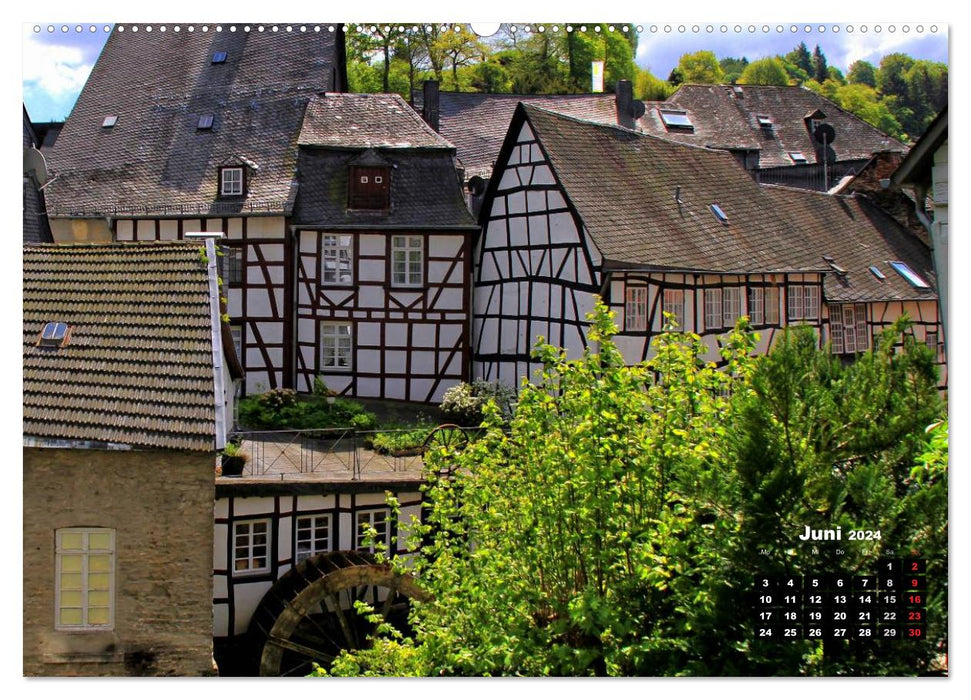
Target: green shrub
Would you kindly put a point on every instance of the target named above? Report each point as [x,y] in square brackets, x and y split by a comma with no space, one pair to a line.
[401,441]
[283,409]
[463,403]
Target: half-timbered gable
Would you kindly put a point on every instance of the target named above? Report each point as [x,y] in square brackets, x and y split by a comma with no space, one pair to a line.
[384,253]
[657,228]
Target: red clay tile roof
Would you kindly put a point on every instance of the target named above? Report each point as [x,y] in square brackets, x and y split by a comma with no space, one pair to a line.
[138,366]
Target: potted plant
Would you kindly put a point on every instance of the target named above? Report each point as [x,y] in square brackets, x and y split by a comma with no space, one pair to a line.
[233,459]
[321,389]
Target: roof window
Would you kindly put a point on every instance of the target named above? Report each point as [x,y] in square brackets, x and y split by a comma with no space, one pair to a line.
[719,214]
[876,272]
[903,269]
[109,121]
[219,57]
[676,120]
[739,93]
[205,122]
[54,335]
[797,157]
[765,122]
[832,264]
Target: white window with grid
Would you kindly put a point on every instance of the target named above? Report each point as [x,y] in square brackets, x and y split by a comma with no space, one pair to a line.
[772,305]
[313,536]
[251,546]
[232,182]
[674,305]
[85,578]
[803,302]
[237,332]
[380,521]
[713,308]
[731,305]
[848,329]
[931,339]
[756,305]
[407,260]
[635,309]
[232,265]
[335,346]
[337,256]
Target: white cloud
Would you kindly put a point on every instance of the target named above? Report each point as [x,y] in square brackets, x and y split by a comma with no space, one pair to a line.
[53,69]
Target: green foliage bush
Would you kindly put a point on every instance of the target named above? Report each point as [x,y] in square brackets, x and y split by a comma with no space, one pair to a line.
[283,409]
[464,403]
[397,442]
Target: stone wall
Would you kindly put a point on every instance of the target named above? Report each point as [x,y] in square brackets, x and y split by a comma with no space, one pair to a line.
[160,505]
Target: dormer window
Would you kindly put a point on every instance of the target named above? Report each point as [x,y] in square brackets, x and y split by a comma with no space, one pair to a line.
[370,188]
[765,122]
[231,182]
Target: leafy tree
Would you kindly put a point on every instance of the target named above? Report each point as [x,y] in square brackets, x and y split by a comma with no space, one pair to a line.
[619,53]
[890,75]
[649,87]
[700,67]
[863,72]
[765,71]
[864,102]
[801,58]
[820,70]
[733,68]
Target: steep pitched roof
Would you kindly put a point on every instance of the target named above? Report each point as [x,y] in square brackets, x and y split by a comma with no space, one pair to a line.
[916,167]
[366,121]
[476,123]
[36,227]
[137,368]
[856,235]
[156,159]
[721,120]
[626,187]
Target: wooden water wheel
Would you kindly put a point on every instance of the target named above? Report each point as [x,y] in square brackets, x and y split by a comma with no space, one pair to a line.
[450,439]
[309,615]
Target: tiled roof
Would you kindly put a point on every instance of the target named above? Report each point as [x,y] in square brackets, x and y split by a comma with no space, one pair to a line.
[155,159]
[856,235]
[425,190]
[477,123]
[625,187]
[723,121]
[36,227]
[366,121]
[138,366]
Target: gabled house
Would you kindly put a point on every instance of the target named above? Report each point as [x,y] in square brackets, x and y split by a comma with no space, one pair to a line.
[577,209]
[128,383]
[772,130]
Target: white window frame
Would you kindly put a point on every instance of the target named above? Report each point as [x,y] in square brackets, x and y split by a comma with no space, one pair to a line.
[731,305]
[402,251]
[337,250]
[848,329]
[231,186]
[371,518]
[635,309]
[336,346]
[88,569]
[713,308]
[772,306]
[673,303]
[936,345]
[756,305]
[803,302]
[250,546]
[237,333]
[306,528]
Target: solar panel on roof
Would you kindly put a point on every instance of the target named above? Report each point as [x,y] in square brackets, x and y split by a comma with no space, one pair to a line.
[219,57]
[205,121]
[903,269]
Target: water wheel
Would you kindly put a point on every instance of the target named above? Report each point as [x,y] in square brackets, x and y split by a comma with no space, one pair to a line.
[450,439]
[309,615]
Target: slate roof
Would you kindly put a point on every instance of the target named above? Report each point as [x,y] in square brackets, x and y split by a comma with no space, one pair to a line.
[855,234]
[722,121]
[625,187]
[36,227]
[476,123]
[366,121]
[138,366]
[155,160]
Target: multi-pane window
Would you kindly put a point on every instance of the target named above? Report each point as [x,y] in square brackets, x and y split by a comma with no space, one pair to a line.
[337,257]
[380,521]
[313,536]
[406,260]
[231,182]
[674,305]
[251,546]
[713,308]
[772,305]
[731,305]
[237,332]
[931,340]
[335,346]
[803,302]
[232,265]
[848,329]
[370,188]
[635,312]
[756,305]
[85,571]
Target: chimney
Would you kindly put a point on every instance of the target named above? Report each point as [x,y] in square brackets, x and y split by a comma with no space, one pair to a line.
[429,107]
[624,96]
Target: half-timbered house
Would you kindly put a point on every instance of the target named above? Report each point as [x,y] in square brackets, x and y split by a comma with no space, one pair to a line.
[128,386]
[577,209]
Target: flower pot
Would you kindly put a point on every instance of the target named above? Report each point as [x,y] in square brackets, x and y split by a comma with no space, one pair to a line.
[233,466]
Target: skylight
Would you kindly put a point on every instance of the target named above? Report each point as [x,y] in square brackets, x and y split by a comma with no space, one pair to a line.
[205,121]
[739,94]
[219,57]
[832,263]
[876,272]
[678,120]
[53,334]
[109,121]
[797,157]
[765,122]
[904,271]
[719,214]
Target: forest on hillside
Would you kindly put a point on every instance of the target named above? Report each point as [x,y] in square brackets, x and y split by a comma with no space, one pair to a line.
[900,95]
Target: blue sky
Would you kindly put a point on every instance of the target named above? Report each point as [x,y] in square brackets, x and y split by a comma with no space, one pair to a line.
[57,57]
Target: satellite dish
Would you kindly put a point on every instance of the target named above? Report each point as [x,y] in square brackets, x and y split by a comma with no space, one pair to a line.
[824,133]
[476,185]
[637,109]
[34,162]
